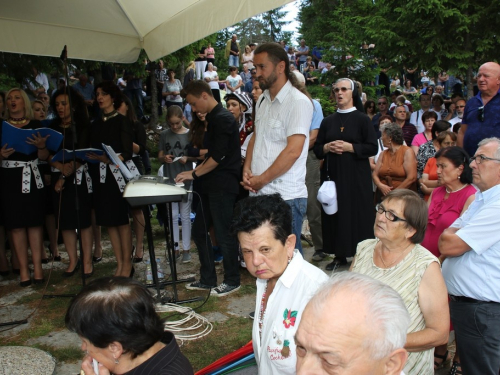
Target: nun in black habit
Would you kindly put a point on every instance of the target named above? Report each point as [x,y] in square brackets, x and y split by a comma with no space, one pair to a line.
[345,141]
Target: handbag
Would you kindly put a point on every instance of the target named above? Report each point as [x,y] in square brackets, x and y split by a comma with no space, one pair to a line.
[327,194]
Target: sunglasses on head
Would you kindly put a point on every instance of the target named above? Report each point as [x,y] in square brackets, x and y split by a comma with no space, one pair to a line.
[480,113]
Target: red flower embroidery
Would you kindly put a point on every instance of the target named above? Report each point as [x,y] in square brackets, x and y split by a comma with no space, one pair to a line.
[289,318]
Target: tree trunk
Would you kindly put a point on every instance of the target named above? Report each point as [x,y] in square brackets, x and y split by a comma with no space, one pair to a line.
[154,100]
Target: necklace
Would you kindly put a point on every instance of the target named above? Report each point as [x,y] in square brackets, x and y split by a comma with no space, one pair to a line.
[454,191]
[342,122]
[17,121]
[397,259]
[107,116]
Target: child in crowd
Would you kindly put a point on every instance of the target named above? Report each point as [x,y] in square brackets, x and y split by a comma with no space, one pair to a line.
[172,153]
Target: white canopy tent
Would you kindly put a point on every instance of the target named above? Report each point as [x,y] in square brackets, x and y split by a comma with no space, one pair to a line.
[116,30]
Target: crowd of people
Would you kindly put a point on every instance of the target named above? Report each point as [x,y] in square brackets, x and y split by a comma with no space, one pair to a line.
[414,196]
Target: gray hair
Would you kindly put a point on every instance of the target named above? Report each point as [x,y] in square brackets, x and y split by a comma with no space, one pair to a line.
[387,312]
[489,140]
[395,133]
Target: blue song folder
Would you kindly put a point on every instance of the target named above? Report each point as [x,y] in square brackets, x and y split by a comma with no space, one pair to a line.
[16,138]
[67,155]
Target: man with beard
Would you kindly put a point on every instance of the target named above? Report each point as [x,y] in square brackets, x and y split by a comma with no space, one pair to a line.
[277,153]
[459,108]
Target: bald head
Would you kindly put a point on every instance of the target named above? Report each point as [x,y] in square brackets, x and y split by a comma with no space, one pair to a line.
[488,79]
[366,334]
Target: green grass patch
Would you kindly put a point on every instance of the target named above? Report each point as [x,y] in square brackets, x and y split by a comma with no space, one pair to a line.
[62,354]
[224,339]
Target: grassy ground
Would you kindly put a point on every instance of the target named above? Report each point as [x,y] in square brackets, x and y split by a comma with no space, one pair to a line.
[47,314]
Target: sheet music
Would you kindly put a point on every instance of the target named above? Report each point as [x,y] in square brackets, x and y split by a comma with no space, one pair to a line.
[118,162]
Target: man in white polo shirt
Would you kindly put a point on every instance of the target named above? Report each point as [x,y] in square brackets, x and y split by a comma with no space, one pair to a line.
[277,153]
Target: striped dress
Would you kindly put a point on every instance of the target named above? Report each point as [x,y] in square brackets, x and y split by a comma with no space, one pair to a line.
[405,278]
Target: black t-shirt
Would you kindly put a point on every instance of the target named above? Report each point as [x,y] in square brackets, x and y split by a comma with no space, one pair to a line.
[234,46]
[223,138]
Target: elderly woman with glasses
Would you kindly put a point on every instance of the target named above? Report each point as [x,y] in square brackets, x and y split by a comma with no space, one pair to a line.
[396,258]
[346,140]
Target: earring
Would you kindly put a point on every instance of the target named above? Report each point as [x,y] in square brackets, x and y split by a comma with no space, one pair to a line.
[116,361]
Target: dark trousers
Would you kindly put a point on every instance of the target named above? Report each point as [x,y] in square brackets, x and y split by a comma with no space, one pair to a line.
[477,331]
[216,209]
[137,94]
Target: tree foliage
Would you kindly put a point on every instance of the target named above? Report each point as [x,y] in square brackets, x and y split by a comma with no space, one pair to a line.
[334,26]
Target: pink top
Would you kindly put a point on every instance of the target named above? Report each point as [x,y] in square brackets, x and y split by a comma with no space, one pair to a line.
[442,213]
[210,52]
[419,140]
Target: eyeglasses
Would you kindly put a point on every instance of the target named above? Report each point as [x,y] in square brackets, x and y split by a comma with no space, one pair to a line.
[480,113]
[382,103]
[343,89]
[254,72]
[388,214]
[480,158]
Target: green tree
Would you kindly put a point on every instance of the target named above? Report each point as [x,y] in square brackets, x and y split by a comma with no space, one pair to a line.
[335,27]
[437,35]
[274,23]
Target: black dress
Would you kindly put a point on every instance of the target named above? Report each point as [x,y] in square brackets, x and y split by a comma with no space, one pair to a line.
[139,139]
[66,215]
[351,172]
[111,209]
[168,361]
[22,209]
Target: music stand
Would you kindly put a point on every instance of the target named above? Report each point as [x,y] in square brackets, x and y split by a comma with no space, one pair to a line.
[148,190]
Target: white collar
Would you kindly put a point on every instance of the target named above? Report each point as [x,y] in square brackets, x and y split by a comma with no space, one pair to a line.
[352,109]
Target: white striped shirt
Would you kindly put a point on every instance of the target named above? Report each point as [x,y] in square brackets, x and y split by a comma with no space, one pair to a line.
[288,114]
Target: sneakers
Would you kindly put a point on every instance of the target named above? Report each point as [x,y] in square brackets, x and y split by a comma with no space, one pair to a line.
[186,257]
[224,289]
[218,259]
[251,315]
[198,286]
[177,256]
[318,256]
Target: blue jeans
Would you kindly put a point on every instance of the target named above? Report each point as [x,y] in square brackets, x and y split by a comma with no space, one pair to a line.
[299,207]
[477,331]
[137,94]
[234,60]
[216,209]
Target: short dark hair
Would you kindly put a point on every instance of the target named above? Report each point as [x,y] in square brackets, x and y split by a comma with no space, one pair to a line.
[429,114]
[422,95]
[253,212]
[275,53]
[196,88]
[113,90]
[116,309]
[415,211]
[438,97]
[394,132]
[438,127]
[457,156]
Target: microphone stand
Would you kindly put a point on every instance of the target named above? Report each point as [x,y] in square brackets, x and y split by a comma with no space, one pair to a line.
[64,58]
